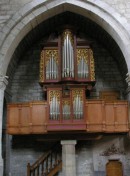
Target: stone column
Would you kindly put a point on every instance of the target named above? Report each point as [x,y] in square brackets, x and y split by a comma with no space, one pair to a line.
[3,83]
[128,88]
[128,95]
[68,158]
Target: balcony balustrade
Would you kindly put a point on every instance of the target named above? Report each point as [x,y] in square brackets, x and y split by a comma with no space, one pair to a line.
[97,116]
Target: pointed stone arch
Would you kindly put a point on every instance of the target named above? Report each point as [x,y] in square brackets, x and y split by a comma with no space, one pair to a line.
[36,12]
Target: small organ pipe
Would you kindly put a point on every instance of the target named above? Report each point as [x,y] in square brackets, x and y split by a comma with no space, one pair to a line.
[78,107]
[47,69]
[83,69]
[56,108]
[50,68]
[70,59]
[63,60]
[54,68]
[65,57]
[72,62]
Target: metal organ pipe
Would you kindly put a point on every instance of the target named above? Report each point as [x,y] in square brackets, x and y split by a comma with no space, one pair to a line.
[78,107]
[63,60]
[82,69]
[51,69]
[66,111]
[54,109]
[67,57]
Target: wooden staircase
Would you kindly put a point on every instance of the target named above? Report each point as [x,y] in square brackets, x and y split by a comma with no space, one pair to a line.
[48,164]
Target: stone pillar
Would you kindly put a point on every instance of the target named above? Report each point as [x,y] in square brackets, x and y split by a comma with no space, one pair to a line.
[128,95]
[128,88]
[3,83]
[68,158]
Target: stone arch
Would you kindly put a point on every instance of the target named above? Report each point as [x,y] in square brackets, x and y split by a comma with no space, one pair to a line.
[36,12]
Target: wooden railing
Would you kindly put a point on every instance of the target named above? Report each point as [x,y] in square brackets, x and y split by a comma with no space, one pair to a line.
[107,116]
[27,118]
[99,116]
[47,165]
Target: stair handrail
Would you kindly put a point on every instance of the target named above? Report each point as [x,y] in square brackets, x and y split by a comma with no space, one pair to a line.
[42,166]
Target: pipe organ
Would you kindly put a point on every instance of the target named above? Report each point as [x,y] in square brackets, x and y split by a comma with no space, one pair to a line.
[66,62]
[66,108]
[68,59]
[67,76]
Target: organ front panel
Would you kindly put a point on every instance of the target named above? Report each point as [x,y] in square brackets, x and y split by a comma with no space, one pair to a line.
[70,61]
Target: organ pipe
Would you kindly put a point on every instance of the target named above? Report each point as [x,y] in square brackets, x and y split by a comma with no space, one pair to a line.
[67,56]
[51,69]
[78,107]
[82,69]
[54,109]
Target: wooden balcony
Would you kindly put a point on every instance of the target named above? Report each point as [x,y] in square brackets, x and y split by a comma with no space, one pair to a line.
[98,116]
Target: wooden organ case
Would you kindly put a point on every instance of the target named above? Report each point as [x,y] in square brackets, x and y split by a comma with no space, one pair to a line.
[67,59]
[66,72]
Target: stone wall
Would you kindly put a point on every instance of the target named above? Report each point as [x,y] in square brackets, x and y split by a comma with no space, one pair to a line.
[121,6]
[10,7]
[24,150]
[92,156]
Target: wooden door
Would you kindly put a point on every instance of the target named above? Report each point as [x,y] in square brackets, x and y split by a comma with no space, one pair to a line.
[114,168]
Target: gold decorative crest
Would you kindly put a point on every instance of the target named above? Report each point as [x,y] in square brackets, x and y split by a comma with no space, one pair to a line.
[87,54]
[82,53]
[70,35]
[45,57]
[49,54]
[92,67]
[78,92]
[54,93]
[66,102]
[42,67]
